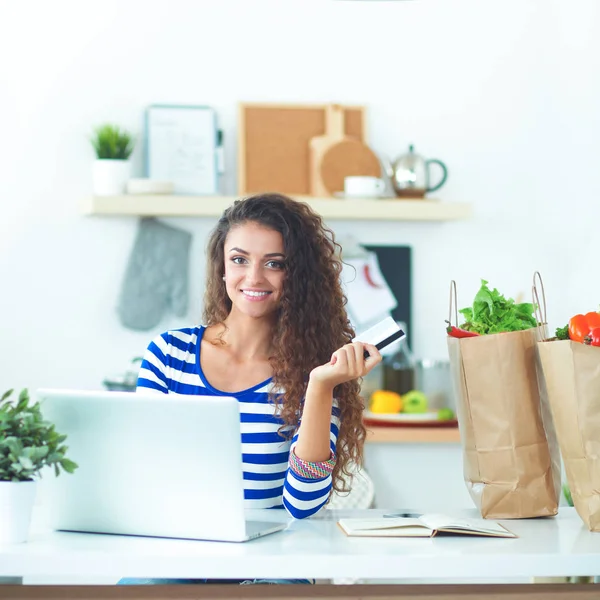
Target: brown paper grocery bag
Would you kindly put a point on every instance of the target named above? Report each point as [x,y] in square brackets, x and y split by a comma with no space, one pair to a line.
[572,373]
[511,460]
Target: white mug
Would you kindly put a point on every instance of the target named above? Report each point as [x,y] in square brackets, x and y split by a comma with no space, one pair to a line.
[363,186]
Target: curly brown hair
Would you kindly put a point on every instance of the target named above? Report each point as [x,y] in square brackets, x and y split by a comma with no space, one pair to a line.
[311,323]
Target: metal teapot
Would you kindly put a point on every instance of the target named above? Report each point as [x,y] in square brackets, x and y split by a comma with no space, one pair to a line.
[409,174]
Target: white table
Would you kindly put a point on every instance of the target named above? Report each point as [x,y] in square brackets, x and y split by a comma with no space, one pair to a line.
[316,548]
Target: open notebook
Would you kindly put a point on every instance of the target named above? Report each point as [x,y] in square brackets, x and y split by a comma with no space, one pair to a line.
[427,525]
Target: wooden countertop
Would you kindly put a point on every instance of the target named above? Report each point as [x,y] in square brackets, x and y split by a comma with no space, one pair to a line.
[412,435]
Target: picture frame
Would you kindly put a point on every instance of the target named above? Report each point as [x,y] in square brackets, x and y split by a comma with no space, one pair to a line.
[181,147]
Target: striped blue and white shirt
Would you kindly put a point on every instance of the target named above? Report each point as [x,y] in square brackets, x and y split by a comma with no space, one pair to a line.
[171,365]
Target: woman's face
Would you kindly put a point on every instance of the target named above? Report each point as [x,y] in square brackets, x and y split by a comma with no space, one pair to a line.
[254,269]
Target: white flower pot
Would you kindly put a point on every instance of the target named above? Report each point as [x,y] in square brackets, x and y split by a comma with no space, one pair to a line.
[110,176]
[16,507]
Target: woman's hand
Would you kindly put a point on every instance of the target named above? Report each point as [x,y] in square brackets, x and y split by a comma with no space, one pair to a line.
[346,364]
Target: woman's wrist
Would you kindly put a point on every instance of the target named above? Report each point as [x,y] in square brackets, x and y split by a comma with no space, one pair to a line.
[311,469]
[321,389]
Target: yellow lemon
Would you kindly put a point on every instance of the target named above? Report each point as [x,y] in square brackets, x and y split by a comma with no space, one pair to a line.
[385,401]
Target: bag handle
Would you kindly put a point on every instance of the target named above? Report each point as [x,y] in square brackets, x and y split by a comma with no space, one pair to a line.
[453,301]
[539,307]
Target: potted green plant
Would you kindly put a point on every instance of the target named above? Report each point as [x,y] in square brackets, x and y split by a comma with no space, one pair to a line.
[112,167]
[28,444]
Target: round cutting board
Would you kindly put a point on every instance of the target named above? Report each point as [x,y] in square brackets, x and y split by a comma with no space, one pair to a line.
[344,159]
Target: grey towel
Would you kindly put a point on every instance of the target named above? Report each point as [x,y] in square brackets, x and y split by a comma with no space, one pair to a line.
[156,277]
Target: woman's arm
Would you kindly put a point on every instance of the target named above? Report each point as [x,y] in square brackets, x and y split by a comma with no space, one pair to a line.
[312,455]
[346,364]
[313,433]
[304,492]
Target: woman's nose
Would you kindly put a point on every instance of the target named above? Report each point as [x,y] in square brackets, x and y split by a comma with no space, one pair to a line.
[254,273]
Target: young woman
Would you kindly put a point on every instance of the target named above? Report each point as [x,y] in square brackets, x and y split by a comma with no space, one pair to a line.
[277,337]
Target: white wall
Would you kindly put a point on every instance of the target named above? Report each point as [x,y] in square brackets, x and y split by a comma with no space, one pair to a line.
[506,93]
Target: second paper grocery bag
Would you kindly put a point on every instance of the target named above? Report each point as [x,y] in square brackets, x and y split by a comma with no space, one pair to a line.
[510,453]
[572,372]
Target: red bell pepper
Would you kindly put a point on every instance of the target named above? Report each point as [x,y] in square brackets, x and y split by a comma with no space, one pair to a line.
[582,325]
[593,337]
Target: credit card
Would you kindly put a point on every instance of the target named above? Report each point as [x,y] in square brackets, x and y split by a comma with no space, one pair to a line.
[380,335]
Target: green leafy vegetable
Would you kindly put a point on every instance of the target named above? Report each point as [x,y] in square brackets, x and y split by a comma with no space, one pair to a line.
[493,313]
[567,493]
[562,333]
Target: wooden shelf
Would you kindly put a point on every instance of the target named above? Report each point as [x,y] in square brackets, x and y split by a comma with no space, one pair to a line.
[412,435]
[328,208]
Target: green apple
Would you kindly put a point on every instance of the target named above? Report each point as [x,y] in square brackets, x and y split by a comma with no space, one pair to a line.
[414,402]
[445,414]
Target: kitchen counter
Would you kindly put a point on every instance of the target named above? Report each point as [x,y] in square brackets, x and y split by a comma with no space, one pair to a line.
[412,435]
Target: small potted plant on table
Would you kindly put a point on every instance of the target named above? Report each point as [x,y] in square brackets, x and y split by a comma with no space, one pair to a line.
[112,167]
[28,443]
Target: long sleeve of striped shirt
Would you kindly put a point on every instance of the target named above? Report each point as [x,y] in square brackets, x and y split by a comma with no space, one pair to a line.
[171,365]
[303,496]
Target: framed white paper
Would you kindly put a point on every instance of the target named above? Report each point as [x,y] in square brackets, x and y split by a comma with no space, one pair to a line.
[369,296]
[181,146]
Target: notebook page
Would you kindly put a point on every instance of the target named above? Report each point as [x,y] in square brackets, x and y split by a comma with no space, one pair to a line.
[380,524]
[439,521]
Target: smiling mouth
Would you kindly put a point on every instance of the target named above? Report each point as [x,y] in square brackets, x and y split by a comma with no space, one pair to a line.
[255,294]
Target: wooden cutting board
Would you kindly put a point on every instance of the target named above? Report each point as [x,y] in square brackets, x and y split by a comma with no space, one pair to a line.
[335,156]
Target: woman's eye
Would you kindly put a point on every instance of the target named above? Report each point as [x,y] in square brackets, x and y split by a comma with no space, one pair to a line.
[275,264]
[238,260]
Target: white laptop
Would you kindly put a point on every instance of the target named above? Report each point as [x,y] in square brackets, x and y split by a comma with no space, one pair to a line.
[152,465]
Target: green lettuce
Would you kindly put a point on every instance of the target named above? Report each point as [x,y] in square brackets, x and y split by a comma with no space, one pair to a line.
[493,313]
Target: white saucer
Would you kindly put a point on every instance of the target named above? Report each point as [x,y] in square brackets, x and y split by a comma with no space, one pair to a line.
[401,417]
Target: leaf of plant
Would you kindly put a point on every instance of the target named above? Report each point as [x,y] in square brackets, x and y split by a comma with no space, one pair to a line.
[68,465]
[26,462]
[14,445]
